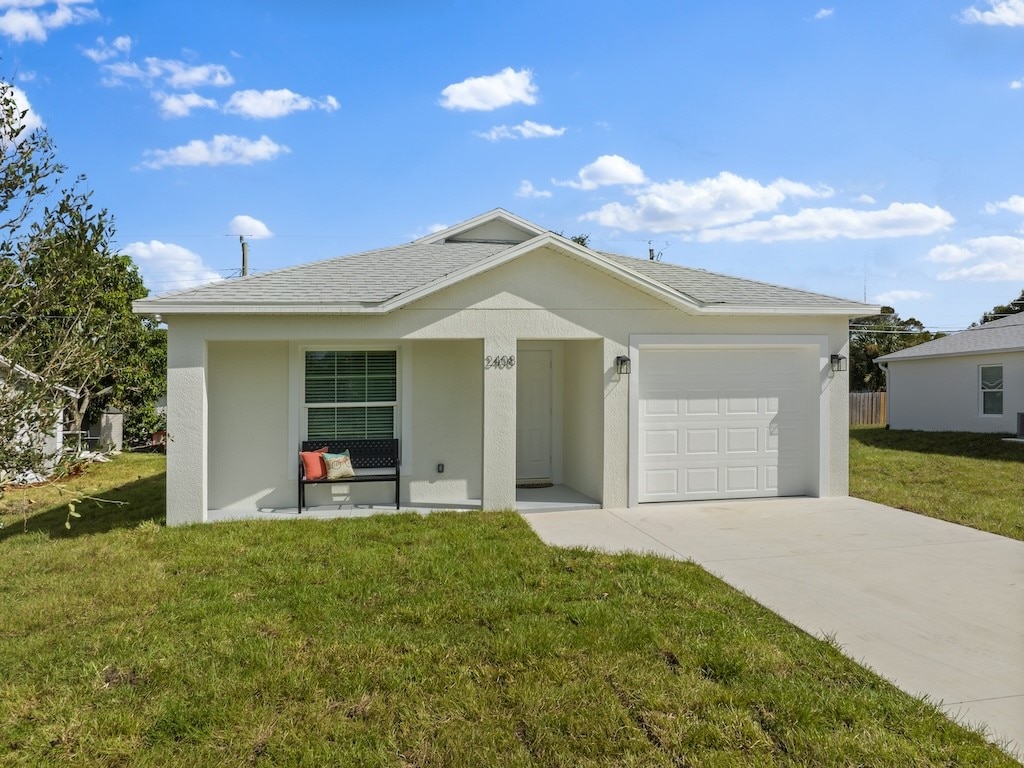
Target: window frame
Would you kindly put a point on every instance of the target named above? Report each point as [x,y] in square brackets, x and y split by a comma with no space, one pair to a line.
[982,390]
[395,405]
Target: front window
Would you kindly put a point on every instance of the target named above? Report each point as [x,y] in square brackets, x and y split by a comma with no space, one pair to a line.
[351,394]
[992,390]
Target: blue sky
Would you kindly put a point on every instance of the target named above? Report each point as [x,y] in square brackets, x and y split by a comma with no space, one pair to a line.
[858,148]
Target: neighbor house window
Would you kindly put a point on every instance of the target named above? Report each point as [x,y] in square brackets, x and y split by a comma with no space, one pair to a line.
[992,390]
[351,394]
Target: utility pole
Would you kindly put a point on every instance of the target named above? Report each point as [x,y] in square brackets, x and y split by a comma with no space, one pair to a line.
[245,255]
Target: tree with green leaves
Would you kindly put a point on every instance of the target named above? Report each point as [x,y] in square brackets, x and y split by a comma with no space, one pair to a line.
[68,338]
[1002,310]
[877,335]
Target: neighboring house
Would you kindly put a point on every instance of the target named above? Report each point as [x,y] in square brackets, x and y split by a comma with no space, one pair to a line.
[972,381]
[498,349]
[51,440]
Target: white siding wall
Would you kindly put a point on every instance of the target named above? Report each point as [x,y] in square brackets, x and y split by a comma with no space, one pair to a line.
[943,393]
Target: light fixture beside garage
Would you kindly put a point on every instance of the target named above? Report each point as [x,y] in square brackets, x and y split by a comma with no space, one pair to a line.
[838,363]
[622,365]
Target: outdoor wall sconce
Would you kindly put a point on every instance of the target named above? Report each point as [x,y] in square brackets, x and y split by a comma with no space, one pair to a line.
[622,365]
[838,363]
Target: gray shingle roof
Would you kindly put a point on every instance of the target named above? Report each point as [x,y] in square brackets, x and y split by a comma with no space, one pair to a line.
[371,278]
[1001,335]
[714,288]
[362,278]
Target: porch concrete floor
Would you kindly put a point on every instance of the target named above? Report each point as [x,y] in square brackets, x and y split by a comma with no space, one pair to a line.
[557,498]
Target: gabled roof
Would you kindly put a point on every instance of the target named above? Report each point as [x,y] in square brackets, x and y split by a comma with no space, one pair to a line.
[18,371]
[387,279]
[1003,335]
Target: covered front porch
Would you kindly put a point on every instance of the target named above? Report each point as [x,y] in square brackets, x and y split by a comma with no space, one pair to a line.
[555,498]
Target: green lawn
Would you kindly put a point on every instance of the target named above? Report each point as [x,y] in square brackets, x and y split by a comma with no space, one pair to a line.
[457,639]
[972,479]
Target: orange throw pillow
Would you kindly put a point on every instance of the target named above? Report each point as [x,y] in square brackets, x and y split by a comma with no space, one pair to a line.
[313,463]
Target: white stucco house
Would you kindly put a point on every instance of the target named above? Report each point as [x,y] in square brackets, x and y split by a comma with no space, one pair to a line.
[971,381]
[500,354]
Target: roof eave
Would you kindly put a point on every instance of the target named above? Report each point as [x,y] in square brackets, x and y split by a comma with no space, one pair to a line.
[193,308]
[891,358]
[837,310]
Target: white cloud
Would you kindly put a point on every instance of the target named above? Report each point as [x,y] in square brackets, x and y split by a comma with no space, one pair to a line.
[181,104]
[1000,257]
[1016,85]
[1013,204]
[606,171]
[866,199]
[31,119]
[891,298]
[526,189]
[948,253]
[34,19]
[250,227]
[491,91]
[678,206]
[824,13]
[102,52]
[898,220]
[274,103]
[171,72]
[525,130]
[1007,13]
[221,150]
[169,266]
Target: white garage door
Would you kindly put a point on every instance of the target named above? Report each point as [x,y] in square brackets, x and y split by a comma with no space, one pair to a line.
[727,423]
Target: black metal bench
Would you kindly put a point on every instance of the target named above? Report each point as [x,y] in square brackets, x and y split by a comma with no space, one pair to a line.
[365,454]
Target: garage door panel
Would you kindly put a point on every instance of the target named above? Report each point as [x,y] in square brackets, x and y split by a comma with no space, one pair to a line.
[661,442]
[741,404]
[662,403]
[662,482]
[702,480]
[701,441]
[700,403]
[726,423]
[742,479]
[741,440]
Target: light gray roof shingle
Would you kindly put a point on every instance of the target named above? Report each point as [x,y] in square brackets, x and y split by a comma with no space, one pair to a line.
[1001,335]
[364,278]
[713,288]
[374,277]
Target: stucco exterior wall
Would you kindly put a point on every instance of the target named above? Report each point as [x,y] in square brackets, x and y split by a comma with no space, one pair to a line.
[451,405]
[248,425]
[943,393]
[447,419]
[584,418]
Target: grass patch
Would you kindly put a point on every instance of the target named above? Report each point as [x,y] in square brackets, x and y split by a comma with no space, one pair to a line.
[455,639]
[135,478]
[970,479]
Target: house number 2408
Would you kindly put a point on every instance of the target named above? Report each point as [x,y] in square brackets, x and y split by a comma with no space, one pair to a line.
[502,361]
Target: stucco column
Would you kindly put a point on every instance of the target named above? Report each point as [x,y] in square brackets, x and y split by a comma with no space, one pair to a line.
[616,426]
[186,427]
[499,443]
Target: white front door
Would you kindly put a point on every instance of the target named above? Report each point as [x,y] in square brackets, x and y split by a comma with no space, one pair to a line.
[723,423]
[533,415]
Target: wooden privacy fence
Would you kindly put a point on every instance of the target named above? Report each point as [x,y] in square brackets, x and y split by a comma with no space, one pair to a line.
[868,408]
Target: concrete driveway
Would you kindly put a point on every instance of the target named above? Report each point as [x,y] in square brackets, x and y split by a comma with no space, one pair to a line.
[936,608]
